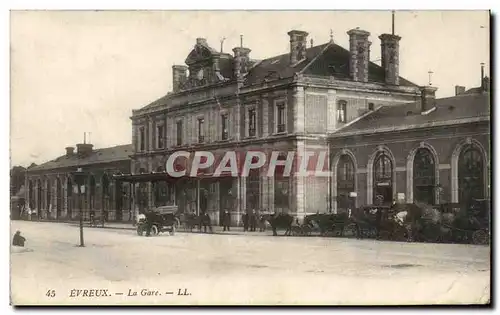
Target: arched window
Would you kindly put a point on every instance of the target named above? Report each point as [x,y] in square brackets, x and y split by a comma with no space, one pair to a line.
[424,176]
[470,174]
[382,174]
[345,182]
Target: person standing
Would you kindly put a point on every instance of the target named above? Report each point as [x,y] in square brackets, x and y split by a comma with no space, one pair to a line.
[226,220]
[253,221]
[245,221]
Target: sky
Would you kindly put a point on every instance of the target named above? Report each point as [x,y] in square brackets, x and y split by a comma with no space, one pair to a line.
[84,71]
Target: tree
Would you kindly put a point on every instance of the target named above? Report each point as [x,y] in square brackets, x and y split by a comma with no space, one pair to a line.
[17,176]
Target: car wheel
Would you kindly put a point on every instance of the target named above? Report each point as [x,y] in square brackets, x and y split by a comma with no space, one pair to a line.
[155,230]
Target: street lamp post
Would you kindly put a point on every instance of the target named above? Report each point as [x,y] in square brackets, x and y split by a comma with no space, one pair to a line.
[79,177]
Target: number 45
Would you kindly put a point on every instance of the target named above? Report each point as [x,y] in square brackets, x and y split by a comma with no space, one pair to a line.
[51,293]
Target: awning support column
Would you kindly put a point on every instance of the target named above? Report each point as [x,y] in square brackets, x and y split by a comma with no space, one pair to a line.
[197,196]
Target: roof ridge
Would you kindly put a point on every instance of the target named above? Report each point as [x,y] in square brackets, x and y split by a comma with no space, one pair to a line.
[327,45]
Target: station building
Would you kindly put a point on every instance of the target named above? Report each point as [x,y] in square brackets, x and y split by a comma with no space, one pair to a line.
[51,193]
[386,137]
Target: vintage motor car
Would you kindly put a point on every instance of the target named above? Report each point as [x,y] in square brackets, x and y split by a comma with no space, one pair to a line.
[163,219]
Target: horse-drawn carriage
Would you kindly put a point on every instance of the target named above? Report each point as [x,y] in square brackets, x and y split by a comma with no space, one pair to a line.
[159,220]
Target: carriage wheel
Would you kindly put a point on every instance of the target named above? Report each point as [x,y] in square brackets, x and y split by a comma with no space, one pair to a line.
[350,230]
[480,237]
[154,230]
[140,230]
[384,235]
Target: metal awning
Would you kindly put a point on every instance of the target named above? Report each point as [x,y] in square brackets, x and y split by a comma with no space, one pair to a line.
[160,176]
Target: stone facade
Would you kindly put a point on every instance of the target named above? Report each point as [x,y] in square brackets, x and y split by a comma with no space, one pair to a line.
[296,108]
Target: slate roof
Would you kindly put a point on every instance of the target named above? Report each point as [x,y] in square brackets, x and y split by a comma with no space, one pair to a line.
[98,156]
[450,109]
[328,59]
[331,60]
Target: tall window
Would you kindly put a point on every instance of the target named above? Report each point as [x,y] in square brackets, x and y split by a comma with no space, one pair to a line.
[253,190]
[470,175]
[225,126]
[345,182]
[424,170]
[371,106]
[179,132]
[142,139]
[281,117]
[201,130]
[342,111]
[160,136]
[251,122]
[382,179]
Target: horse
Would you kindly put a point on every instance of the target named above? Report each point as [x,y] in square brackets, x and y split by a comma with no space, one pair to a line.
[280,221]
[191,220]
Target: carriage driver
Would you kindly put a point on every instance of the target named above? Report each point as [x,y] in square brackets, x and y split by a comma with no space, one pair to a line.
[149,221]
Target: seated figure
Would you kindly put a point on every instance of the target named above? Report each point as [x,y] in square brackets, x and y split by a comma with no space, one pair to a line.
[18,240]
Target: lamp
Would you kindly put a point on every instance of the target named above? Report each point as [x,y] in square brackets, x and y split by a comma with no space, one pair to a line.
[79,188]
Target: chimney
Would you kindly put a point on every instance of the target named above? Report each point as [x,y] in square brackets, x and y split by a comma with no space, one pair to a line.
[70,151]
[359,58]
[428,98]
[298,45]
[459,90]
[241,59]
[201,41]
[179,76]
[486,84]
[84,149]
[390,57]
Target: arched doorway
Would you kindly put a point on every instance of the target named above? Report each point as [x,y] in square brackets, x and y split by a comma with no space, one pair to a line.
[69,196]
[382,179]
[105,196]
[470,174]
[59,197]
[424,177]
[281,187]
[345,182]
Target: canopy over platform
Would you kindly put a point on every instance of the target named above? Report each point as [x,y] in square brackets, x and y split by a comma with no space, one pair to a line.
[160,177]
